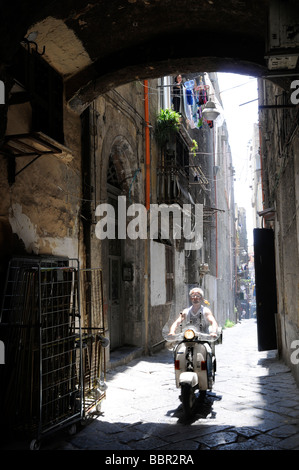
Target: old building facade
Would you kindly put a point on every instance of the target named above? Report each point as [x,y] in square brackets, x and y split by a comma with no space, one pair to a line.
[279,167]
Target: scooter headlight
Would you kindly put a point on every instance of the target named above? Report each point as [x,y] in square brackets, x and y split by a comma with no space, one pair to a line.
[189,334]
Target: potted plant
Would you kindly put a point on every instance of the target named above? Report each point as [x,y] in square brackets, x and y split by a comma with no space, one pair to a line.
[167,125]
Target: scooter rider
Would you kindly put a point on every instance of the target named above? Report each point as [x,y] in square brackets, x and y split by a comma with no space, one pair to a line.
[201,317]
[199,314]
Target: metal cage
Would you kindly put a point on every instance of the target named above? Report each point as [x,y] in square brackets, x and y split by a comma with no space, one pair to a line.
[93,340]
[42,382]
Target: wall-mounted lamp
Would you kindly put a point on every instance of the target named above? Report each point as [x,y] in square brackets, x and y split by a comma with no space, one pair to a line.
[210,113]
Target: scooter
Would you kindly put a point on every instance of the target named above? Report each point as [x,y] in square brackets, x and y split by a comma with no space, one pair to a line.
[194,363]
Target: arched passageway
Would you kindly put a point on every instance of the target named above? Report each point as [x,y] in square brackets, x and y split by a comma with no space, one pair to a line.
[96,46]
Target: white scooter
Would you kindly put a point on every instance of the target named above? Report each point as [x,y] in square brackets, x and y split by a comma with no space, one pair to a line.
[194,363]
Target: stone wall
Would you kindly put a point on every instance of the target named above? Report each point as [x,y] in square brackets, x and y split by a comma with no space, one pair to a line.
[40,209]
[280,169]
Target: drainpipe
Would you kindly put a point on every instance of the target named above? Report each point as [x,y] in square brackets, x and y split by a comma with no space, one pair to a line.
[147,205]
[147,146]
[262,173]
[215,189]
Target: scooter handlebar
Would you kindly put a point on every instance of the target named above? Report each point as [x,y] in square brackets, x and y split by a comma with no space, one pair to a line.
[210,337]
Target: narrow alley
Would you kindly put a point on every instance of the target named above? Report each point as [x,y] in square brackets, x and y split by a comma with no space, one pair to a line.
[120,180]
[254,404]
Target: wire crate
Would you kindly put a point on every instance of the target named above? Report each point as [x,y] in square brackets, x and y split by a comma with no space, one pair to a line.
[94,342]
[41,327]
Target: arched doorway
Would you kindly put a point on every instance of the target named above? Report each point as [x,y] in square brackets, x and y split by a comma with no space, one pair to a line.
[121,255]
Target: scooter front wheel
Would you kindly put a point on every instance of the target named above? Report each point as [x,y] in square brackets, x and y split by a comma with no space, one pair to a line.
[188,399]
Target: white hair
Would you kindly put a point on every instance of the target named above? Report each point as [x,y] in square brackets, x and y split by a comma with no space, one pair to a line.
[196,289]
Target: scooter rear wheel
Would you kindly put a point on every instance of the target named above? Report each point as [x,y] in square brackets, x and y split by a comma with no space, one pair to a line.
[188,399]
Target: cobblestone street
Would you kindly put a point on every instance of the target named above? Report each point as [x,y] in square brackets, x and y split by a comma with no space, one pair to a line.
[254,404]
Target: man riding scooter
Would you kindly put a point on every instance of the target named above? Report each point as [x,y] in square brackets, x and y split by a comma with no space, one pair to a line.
[200,317]
[199,314]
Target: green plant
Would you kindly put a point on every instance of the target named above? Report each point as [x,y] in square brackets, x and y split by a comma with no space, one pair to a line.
[194,148]
[229,324]
[167,125]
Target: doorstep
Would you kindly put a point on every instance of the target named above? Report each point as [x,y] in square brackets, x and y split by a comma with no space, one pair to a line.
[123,355]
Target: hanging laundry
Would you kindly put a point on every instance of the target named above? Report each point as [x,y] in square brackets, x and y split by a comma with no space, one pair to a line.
[202,96]
[189,84]
[194,106]
[188,107]
[202,92]
[189,95]
[200,118]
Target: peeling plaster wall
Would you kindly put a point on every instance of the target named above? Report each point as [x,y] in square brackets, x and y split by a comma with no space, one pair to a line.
[42,206]
[22,226]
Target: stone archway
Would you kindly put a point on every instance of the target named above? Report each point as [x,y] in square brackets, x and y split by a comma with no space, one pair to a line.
[123,155]
[97,46]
